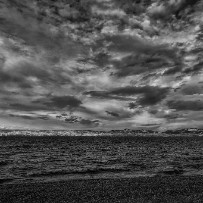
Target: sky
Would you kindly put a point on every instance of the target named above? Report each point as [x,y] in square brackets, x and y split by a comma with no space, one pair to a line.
[101,64]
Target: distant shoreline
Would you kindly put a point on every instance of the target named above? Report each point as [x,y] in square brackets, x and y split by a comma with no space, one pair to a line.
[126,132]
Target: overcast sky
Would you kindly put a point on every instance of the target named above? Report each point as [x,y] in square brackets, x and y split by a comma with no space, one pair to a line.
[101,64]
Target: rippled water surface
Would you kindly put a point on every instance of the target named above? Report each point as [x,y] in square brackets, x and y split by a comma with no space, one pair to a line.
[45,158]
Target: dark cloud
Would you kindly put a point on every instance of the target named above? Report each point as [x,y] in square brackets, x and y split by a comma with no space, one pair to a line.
[164,10]
[46,103]
[132,90]
[125,43]
[20,72]
[172,116]
[105,95]
[26,107]
[191,89]
[35,33]
[79,120]
[153,111]
[132,105]
[150,125]
[142,56]
[130,44]
[99,94]
[6,78]
[112,113]
[132,7]
[29,74]
[183,5]
[27,69]
[195,69]
[139,63]
[195,105]
[16,74]
[150,95]
[71,119]
[153,97]
[64,101]
[88,122]
[64,114]
[101,58]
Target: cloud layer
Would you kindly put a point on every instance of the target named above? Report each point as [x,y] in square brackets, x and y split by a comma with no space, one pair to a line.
[102,64]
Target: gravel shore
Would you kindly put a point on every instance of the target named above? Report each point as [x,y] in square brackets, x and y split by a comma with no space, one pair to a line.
[156,189]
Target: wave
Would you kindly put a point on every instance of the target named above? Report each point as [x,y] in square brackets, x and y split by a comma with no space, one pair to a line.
[4,163]
[5,180]
[171,171]
[195,165]
[87,172]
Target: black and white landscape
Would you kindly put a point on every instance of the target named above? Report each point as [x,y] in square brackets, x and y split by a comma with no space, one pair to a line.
[101,101]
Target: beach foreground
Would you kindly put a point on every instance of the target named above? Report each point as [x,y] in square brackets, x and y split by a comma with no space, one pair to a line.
[156,189]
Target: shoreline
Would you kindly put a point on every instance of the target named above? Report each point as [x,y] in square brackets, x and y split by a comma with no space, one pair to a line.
[143,189]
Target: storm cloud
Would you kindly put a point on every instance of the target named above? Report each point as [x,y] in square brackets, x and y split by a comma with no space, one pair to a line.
[195,105]
[101,64]
[150,95]
[64,101]
[112,114]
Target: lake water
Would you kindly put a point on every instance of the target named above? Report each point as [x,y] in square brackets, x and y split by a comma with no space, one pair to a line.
[24,159]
